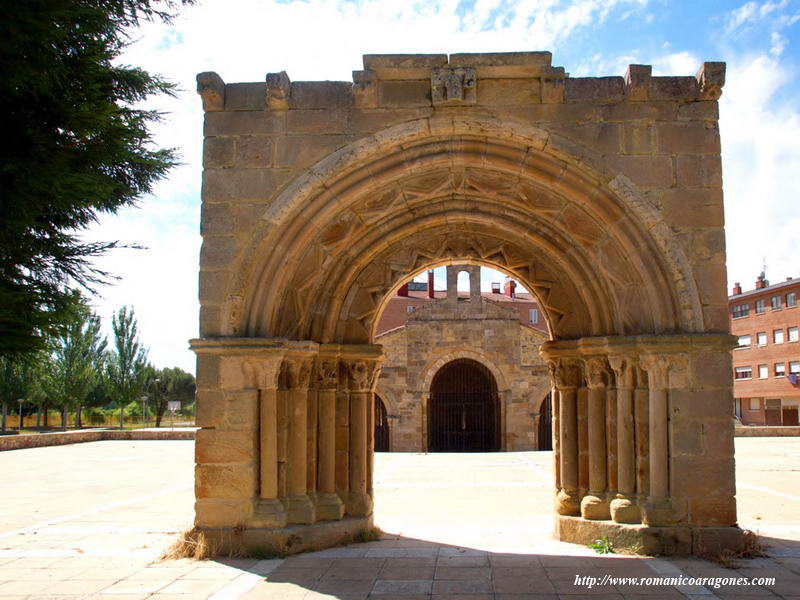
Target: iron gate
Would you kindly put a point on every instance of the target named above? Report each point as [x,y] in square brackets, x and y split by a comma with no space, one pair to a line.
[381,426]
[464,412]
[546,423]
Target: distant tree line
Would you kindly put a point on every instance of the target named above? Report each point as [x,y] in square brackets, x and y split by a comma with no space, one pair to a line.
[78,369]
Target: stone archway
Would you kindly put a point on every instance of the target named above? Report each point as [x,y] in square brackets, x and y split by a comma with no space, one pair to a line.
[598,195]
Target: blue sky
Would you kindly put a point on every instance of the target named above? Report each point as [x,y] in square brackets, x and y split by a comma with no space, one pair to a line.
[324,39]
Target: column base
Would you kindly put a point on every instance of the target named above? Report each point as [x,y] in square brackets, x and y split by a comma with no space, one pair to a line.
[662,512]
[329,507]
[300,509]
[270,512]
[567,503]
[643,539]
[359,504]
[624,510]
[260,541]
[594,508]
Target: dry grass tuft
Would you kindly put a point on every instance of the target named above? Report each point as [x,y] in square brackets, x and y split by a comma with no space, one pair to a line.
[192,543]
[751,547]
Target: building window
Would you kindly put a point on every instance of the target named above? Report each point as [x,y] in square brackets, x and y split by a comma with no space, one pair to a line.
[791,299]
[744,341]
[761,338]
[755,404]
[780,369]
[776,303]
[763,371]
[741,310]
[761,306]
[794,334]
[777,336]
[743,373]
[794,367]
[534,314]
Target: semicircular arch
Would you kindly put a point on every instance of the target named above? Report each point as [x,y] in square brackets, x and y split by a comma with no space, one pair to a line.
[594,251]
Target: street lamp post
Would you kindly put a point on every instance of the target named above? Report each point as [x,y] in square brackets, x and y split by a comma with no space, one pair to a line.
[19,428]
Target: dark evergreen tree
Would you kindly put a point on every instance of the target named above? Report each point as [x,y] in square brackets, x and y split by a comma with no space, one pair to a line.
[75,144]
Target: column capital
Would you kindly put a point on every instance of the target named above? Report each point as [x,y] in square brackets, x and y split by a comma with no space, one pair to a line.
[262,373]
[326,374]
[596,372]
[361,374]
[657,367]
[296,372]
[624,367]
[566,372]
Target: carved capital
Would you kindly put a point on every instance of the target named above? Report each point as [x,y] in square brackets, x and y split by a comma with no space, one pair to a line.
[212,91]
[295,372]
[262,373]
[657,367]
[361,374]
[596,373]
[455,85]
[278,89]
[567,373]
[327,374]
[624,368]
[711,78]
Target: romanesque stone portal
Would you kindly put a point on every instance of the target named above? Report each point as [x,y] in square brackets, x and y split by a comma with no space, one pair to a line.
[601,195]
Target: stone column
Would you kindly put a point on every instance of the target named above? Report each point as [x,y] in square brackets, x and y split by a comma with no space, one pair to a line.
[641,420]
[567,376]
[657,509]
[329,505]
[360,382]
[270,511]
[595,505]
[624,508]
[299,506]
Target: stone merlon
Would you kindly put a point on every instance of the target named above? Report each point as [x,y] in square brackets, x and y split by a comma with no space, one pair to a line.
[397,80]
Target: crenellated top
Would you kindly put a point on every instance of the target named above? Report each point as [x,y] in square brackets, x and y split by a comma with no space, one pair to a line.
[393,80]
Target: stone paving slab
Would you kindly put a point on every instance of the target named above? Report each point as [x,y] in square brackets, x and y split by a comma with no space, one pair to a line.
[101,535]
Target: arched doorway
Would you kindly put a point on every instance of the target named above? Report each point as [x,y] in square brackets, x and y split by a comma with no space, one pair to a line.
[621,248]
[381,426]
[545,431]
[463,410]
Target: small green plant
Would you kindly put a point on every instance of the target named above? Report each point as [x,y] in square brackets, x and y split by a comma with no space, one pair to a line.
[602,546]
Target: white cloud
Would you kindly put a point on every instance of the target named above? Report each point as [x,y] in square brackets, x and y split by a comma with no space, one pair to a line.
[761,160]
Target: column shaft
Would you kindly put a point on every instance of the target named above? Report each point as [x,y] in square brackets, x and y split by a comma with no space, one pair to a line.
[626,466]
[659,449]
[568,434]
[269,443]
[327,441]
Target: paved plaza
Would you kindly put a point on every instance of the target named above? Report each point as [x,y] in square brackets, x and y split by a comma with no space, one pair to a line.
[91,520]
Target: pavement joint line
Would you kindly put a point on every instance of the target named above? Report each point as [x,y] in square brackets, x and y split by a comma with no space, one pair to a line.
[767,490]
[94,511]
[71,552]
[246,581]
[667,569]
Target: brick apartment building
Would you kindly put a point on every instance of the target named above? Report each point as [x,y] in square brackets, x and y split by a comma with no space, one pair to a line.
[767,362]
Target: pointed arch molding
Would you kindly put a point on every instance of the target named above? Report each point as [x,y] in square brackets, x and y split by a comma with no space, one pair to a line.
[342,236]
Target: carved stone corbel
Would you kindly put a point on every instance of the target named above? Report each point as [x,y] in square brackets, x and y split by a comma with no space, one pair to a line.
[278,91]
[453,85]
[211,88]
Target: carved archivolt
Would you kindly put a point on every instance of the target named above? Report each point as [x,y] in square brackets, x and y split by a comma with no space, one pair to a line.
[477,191]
